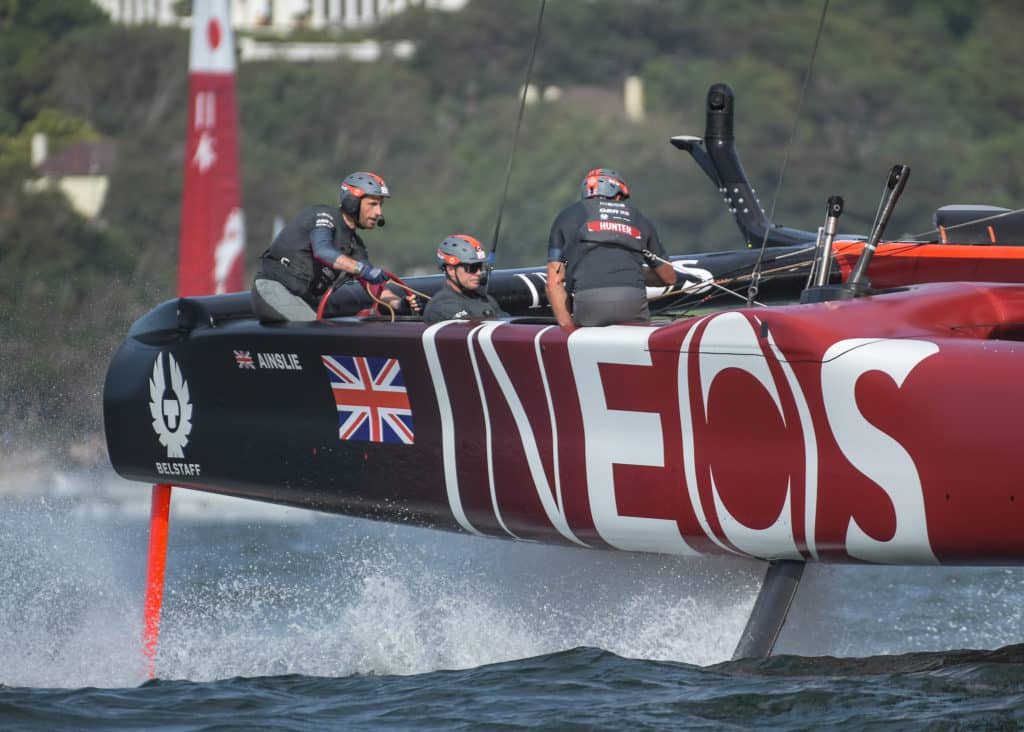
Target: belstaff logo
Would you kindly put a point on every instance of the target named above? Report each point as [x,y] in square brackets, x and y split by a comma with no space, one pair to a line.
[170,407]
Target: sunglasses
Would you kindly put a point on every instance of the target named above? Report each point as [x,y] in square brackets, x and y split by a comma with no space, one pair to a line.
[472,268]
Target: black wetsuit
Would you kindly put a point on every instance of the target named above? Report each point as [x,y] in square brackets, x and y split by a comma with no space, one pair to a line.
[603,244]
[301,255]
[447,304]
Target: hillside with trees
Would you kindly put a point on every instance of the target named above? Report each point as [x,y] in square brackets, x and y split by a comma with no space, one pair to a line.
[930,83]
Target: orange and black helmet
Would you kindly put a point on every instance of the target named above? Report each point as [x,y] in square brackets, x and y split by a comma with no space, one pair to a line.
[460,249]
[359,184]
[603,183]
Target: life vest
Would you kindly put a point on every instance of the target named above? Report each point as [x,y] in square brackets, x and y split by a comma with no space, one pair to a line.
[300,274]
[610,223]
[290,261]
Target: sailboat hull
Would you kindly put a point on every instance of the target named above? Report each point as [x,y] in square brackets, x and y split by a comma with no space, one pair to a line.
[884,429]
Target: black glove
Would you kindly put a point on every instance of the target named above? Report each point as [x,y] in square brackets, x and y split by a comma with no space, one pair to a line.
[373,275]
[405,307]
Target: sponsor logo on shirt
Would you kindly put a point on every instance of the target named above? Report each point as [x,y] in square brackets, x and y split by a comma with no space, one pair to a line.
[615,227]
[614,213]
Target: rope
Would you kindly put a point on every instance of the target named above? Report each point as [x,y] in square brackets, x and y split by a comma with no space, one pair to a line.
[756,275]
[515,137]
[713,283]
[412,291]
[720,282]
[366,286]
[393,278]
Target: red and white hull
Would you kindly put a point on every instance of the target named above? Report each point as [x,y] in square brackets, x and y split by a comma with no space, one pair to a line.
[882,429]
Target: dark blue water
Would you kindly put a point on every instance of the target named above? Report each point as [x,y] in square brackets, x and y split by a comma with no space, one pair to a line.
[583,688]
[277,619]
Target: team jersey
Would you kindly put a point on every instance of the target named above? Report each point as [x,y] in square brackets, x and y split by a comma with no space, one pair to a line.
[447,304]
[602,243]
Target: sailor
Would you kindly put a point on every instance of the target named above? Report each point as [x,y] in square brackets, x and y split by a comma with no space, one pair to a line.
[462,260]
[596,254]
[320,248]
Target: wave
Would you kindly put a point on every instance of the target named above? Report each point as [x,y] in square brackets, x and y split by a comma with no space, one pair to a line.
[334,597]
[578,688]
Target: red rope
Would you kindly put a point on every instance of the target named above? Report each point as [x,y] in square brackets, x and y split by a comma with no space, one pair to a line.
[377,289]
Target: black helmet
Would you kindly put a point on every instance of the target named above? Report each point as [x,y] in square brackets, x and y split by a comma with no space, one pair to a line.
[460,249]
[359,184]
[603,182]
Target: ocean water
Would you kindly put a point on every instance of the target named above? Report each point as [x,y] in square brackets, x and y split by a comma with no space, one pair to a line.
[283,619]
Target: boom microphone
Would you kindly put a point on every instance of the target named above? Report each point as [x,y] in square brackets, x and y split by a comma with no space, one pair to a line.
[380,221]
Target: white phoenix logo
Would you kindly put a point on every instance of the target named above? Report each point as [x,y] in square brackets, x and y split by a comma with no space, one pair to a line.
[172,417]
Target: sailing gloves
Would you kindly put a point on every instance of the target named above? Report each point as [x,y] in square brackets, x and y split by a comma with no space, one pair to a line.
[373,275]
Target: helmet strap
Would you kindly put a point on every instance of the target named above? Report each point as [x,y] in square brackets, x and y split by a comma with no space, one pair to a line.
[455,280]
[351,221]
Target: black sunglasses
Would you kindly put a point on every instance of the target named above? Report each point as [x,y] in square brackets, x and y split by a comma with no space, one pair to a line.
[472,268]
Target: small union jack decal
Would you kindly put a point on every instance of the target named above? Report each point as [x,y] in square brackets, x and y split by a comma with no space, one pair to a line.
[373,404]
[244,360]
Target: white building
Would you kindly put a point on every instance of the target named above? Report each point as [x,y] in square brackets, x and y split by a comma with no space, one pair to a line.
[81,171]
[278,15]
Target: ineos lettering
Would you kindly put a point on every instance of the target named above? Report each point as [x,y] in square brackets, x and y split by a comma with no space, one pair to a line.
[712,346]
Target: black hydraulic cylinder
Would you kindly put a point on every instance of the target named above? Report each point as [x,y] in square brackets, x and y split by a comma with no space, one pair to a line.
[894,189]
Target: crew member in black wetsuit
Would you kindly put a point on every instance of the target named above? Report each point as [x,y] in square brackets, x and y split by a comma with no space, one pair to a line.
[318,247]
[462,260]
[596,254]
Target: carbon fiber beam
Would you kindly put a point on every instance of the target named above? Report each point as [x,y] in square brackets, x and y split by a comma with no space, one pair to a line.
[781,581]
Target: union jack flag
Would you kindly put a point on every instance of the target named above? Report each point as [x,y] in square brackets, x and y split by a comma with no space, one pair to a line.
[372,402]
[244,360]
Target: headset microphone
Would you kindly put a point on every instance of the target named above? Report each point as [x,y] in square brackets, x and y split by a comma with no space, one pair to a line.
[380,221]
